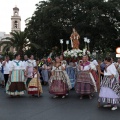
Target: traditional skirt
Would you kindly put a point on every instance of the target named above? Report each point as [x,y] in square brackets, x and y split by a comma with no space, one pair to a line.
[84,84]
[58,84]
[72,75]
[34,87]
[110,91]
[16,83]
[28,81]
[67,80]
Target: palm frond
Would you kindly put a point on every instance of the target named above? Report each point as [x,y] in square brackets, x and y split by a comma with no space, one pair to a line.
[35,45]
[6,42]
[8,38]
[6,47]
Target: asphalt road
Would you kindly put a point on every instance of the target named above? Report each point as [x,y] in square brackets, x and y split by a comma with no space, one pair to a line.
[47,108]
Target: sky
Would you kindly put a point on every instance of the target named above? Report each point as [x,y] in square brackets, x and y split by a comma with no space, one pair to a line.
[26,9]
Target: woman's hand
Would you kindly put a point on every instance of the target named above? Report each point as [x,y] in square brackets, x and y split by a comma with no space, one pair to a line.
[25,74]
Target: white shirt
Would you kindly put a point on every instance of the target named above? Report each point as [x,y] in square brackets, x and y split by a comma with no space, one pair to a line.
[111,70]
[59,68]
[25,63]
[95,62]
[17,65]
[31,63]
[6,67]
[93,67]
[87,67]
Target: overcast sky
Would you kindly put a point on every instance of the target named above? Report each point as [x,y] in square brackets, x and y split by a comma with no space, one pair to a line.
[26,9]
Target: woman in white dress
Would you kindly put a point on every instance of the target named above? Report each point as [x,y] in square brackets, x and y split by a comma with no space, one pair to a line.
[16,83]
[110,89]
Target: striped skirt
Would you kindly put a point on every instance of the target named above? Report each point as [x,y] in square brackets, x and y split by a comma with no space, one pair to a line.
[110,91]
[16,83]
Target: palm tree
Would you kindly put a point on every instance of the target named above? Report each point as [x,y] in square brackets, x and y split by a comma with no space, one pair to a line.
[19,41]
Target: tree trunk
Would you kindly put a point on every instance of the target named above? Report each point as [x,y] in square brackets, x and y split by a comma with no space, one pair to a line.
[21,52]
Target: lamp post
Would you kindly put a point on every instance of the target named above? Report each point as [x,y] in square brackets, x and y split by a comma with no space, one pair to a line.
[85,40]
[61,42]
[88,41]
[67,43]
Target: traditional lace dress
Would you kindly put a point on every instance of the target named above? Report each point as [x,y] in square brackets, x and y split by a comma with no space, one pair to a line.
[35,85]
[85,83]
[110,89]
[30,65]
[16,83]
[59,84]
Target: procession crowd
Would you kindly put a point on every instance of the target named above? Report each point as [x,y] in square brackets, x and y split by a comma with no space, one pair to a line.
[86,76]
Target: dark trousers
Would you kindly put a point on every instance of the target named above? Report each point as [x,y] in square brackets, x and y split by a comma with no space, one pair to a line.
[6,76]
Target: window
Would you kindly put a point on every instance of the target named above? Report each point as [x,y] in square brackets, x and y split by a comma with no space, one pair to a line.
[15,13]
[15,24]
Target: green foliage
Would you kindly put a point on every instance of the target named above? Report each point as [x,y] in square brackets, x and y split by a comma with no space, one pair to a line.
[95,19]
[19,41]
[10,54]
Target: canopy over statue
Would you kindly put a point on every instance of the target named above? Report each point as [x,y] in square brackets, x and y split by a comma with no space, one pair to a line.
[75,39]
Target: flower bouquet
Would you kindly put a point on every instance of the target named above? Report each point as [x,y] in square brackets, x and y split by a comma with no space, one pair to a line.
[75,54]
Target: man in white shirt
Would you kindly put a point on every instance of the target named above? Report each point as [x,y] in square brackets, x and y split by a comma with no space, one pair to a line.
[6,68]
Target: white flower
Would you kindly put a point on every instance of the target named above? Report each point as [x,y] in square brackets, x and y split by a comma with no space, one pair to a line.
[69,53]
[76,56]
[72,51]
[88,52]
[72,55]
[80,55]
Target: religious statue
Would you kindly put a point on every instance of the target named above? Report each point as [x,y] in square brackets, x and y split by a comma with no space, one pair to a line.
[75,39]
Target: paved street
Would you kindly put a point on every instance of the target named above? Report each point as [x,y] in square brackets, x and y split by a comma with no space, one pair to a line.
[47,108]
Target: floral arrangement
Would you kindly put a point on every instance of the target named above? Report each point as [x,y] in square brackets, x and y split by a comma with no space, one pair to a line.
[75,53]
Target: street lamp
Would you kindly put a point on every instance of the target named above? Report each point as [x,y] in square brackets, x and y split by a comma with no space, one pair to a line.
[67,43]
[88,41]
[85,40]
[61,42]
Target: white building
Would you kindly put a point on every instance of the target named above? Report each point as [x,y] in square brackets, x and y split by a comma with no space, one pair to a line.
[15,26]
